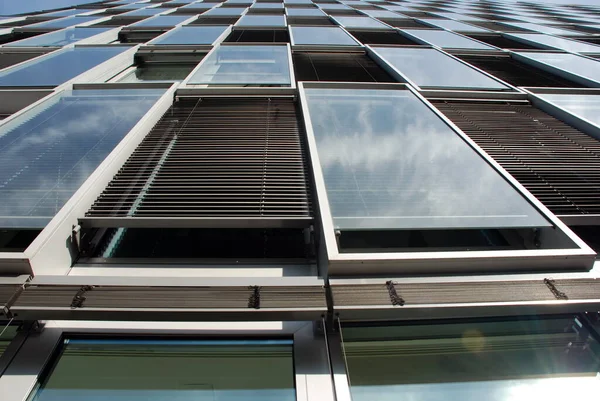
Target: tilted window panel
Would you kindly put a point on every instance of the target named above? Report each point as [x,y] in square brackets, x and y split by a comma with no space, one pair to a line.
[557,163]
[215,158]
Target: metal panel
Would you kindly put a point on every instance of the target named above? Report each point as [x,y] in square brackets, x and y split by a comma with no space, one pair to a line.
[210,158]
[555,162]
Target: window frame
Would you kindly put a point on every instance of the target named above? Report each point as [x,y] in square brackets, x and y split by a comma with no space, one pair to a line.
[39,352]
[338,263]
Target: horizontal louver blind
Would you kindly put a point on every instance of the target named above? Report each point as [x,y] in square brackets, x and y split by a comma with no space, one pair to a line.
[338,68]
[215,158]
[555,162]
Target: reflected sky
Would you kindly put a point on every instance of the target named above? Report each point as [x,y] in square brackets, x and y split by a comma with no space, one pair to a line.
[321,35]
[556,42]
[305,12]
[585,106]
[572,63]
[245,65]
[454,25]
[191,35]
[389,162]
[262,20]
[162,20]
[541,28]
[59,38]
[58,67]
[66,22]
[360,22]
[447,39]
[176,372]
[429,67]
[47,153]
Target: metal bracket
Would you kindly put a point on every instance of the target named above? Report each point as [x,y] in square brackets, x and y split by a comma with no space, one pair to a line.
[394,297]
[558,294]
[79,298]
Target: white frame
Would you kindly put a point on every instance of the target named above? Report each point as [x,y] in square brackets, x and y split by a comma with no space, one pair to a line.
[436,262]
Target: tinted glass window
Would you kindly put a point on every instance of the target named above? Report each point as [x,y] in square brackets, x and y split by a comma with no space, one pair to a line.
[59,38]
[313,35]
[447,39]
[191,35]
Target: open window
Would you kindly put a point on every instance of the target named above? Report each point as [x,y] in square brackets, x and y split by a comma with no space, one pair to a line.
[392,203]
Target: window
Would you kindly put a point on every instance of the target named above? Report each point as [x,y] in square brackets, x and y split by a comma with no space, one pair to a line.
[517,73]
[360,22]
[440,182]
[224,12]
[245,65]
[58,67]
[502,42]
[9,58]
[542,28]
[553,42]
[382,38]
[89,369]
[145,12]
[161,21]
[502,359]
[584,106]
[259,36]
[191,35]
[304,12]
[434,69]
[48,152]
[325,36]
[453,25]
[159,72]
[59,38]
[64,22]
[446,39]
[579,69]
[263,21]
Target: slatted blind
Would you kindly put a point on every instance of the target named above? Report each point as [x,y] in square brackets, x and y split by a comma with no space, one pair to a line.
[517,73]
[215,158]
[346,67]
[555,162]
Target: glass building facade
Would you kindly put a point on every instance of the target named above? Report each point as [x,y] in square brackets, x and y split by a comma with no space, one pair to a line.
[299,200]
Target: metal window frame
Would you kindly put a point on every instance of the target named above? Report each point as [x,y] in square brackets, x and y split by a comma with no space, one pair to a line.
[544,46]
[311,362]
[435,262]
[152,45]
[101,38]
[396,73]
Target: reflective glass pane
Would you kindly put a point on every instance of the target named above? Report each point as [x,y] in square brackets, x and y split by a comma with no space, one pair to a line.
[66,13]
[429,67]
[389,162]
[557,43]
[191,35]
[334,6]
[541,28]
[146,11]
[584,106]
[48,152]
[58,67]
[447,39]
[245,65]
[154,370]
[321,35]
[360,22]
[456,16]
[162,20]
[571,63]
[382,14]
[501,360]
[268,5]
[225,11]
[454,25]
[64,22]
[304,12]
[262,20]
[59,38]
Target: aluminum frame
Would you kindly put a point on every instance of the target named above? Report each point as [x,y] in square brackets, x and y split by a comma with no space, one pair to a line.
[311,361]
[436,262]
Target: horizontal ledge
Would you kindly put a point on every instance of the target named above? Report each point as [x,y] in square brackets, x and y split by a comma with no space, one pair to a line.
[195,222]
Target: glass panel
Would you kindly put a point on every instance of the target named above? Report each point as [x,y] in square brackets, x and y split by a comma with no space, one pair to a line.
[64,22]
[191,35]
[332,6]
[48,152]
[360,22]
[66,13]
[447,39]
[225,11]
[262,20]
[461,17]
[245,65]
[145,11]
[122,370]
[58,67]
[389,162]
[542,359]
[557,43]
[572,63]
[541,28]
[162,21]
[382,14]
[322,35]
[268,5]
[429,67]
[59,38]
[159,72]
[304,12]
[9,333]
[454,25]
[584,106]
